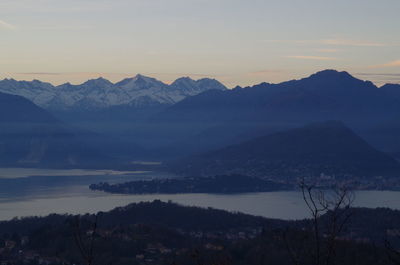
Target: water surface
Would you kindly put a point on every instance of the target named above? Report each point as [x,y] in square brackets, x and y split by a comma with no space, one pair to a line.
[54,193]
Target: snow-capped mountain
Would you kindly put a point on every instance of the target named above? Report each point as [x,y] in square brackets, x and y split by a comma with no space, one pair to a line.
[196,86]
[36,91]
[101,93]
[148,90]
[96,93]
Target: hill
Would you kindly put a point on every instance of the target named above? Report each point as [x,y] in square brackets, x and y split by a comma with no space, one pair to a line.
[329,147]
[166,233]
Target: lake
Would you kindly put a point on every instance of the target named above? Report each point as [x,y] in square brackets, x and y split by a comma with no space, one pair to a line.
[25,192]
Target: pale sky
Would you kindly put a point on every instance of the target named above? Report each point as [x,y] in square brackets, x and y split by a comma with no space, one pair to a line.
[239,42]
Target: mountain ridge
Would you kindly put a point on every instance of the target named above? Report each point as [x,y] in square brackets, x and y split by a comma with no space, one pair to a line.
[327,94]
[100,93]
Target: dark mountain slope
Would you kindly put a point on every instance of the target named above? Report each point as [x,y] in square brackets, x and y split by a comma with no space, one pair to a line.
[18,109]
[30,136]
[328,147]
[392,90]
[326,95]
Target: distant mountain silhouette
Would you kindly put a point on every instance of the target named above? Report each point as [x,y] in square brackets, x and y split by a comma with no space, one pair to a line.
[31,137]
[325,95]
[195,116]
[392,90]
[329,147]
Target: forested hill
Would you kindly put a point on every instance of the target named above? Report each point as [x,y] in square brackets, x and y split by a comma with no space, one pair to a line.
[319,148]
[166,233]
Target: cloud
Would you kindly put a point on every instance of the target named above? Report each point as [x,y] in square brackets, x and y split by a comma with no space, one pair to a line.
[182,74]
[53,6]
[40,73]
[380,78]
[328,50]
[114,73]
[349,42]
[379,74]
[5,25]
[306,57]
[385,65]
[334,42]
[60,27]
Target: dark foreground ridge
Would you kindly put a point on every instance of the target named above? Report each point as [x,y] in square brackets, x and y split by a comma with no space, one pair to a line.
[166,233]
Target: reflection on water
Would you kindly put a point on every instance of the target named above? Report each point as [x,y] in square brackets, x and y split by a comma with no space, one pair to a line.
[31,172]
[42,195]
[57,185]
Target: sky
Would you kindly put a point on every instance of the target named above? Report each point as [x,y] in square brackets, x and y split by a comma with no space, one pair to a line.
[239,42]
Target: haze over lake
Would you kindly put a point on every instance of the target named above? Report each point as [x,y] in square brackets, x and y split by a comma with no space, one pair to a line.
[51,191]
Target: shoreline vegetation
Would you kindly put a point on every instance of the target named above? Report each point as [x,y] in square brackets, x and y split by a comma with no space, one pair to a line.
[236,183]
[217,184]
[220,184]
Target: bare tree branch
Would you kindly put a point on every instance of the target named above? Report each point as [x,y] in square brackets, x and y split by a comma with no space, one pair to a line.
[335,204]
[87,252]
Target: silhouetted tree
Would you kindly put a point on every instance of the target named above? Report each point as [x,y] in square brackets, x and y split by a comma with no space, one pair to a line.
[392,252]
[85,242]
[329,211]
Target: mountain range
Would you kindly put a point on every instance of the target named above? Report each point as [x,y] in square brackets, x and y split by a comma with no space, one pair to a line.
[328,148]
[241,113]
[328,94]
[142,118]
[100,93]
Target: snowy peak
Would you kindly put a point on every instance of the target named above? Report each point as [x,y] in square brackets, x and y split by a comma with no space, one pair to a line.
[101,93]
[36,91]
[205,83]
[12,83]
[186,84]
[98,82]
[140,82]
